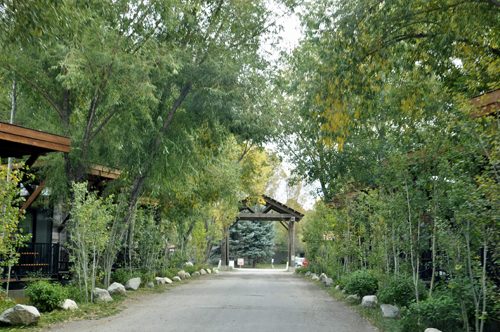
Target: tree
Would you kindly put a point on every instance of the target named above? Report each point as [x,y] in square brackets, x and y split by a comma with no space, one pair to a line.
[252,240]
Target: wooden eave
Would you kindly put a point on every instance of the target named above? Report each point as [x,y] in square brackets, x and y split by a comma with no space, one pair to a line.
[17,141]
[486,104]
[273,211]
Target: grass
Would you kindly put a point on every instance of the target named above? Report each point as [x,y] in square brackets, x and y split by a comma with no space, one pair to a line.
[373,315]
[87,310]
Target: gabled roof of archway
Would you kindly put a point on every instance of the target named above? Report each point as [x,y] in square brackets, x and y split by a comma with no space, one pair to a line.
[273,211]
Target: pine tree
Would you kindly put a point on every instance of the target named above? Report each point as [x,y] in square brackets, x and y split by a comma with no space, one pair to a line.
[252,240]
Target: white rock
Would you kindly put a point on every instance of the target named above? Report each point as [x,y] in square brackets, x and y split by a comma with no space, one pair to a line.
[322,277]
[216,271]
[150,285]
[189,264]
[203,272]
[176,278]
[20,315]
[328,282]
[188,275]
[117,288]
[337,287]
[167,281]
[160,281]
[182,274]
[102,295]
[133,284]
[390,311]
[308,273]
[208,271]
[369,301]
[196,274]
[68,305]
[353,297]
[431,329]
[315,277]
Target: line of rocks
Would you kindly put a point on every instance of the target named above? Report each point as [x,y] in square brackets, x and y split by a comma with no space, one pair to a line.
[368,301]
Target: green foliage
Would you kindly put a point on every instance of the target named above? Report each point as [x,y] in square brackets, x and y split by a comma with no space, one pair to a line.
[123,275]
[400,291]
[190,269]
[45,296]
[362,282]
[441,312]
[252,240]
[199,242]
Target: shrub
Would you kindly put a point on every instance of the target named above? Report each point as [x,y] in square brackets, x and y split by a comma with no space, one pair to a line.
[362,282]
[440,311]
[45,296]
[189,269]
[122,276]
[400,291]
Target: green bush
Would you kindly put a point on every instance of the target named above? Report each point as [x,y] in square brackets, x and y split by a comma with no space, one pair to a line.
[168,273]
[122,276]
[400,291]
[440,311]
[189,269]
[362,282]
[45,296]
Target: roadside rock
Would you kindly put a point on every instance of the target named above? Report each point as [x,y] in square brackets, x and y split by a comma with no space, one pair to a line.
[328,282]
[208,271]
[203,272]
[196,274]
[167,281]
[117,288]
[216,271]
[182,274]
[20,315]
[390,311]
[68,305]
[133,283]
[176,278]
[189,264]
[188,275]
[315,277]
[431,329]
[353,297]
[308,273]
[369,301]
[322,277]
[150,285]
[337,287]
[102,295]
[160,281]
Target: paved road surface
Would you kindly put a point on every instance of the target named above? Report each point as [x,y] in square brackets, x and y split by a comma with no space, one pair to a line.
[247,300]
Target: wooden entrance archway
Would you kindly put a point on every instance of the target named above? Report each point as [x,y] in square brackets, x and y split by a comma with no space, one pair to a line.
[271,210]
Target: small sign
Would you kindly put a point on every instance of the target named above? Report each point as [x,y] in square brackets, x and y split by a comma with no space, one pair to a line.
[241,261]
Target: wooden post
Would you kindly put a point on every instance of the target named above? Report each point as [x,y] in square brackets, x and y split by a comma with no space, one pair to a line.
[291,245]
[225,250]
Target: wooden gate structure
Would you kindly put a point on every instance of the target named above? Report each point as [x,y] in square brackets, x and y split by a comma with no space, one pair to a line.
[271,210]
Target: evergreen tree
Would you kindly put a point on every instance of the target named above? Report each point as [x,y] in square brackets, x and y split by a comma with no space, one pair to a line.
[252,240]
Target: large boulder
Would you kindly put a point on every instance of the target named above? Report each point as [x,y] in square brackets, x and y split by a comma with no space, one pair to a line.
[196,274]
[133,284]
[20,315]
[182,274]
[160,281]
[208,271]
[390,311]
[117,288]
[150,284]
[203,272]
[167,280]
[322,277]
[431,329]
[369,301]
[188,275]
[68,305]
[315,277]
[328,282]
[102,295]
[176,278]
[308,273]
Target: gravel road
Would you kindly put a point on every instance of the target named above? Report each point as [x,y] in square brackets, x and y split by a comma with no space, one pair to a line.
[247,300]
